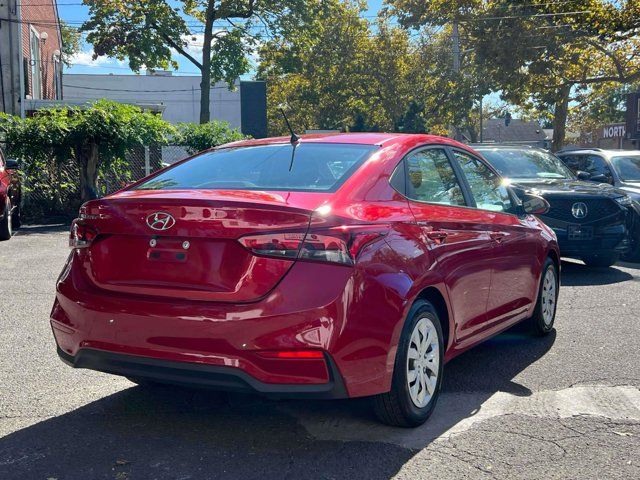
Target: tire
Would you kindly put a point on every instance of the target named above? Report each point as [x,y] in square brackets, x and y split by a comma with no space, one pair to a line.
[6,223]
[400,407]
[544,315]
[634,255]
[601,261]
[16,219]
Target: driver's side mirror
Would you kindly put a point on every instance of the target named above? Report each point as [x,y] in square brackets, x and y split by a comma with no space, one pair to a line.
[535,205]
[602,178]
[583,175]
[12,164]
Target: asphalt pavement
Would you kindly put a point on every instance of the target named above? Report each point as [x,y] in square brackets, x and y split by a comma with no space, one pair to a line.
[563,406]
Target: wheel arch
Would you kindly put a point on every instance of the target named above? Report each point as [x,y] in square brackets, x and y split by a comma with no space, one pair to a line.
[435,297]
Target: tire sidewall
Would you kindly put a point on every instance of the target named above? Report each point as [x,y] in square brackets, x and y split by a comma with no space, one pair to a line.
[421,309]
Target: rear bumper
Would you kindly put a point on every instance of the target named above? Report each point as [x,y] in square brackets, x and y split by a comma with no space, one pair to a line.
[312,308]
[201,375]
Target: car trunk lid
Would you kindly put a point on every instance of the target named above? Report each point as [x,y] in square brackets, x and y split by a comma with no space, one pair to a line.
[195,254]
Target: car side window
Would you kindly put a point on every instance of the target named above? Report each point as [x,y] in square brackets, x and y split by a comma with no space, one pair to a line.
[596,165]
[1,159]
[487,188]
[431,178]
[574,162]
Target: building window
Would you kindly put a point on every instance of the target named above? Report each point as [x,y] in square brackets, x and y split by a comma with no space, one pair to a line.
[36,72]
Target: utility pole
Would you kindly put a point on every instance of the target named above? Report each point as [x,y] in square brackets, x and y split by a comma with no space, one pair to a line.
[455,39]
[481,135]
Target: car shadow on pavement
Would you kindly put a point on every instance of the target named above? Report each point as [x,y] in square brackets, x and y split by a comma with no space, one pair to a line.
[167,432]
[579,275]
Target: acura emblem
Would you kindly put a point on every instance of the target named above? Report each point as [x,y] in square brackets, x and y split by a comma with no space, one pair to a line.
[579,210]
[161,221]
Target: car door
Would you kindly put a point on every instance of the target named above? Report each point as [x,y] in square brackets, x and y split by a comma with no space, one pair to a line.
[515,246]
[455,237]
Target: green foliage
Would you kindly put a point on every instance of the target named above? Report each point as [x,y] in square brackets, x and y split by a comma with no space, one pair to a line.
[198,137]
[71,42]
[65,149]
[538,53]
[147,32]
[333,72]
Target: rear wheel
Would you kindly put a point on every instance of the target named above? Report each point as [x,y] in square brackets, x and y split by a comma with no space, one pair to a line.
[601,261]
[6,223]
[543,318]
[417,374]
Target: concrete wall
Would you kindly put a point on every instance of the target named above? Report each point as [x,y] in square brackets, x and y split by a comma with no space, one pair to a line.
[179,95]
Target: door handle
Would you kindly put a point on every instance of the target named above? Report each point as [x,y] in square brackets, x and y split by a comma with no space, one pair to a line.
[438,236]
[498,236]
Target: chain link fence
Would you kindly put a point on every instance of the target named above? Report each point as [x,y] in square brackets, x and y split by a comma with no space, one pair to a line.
[51,189]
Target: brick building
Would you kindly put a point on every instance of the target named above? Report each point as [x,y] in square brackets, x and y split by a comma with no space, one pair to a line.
[30,58]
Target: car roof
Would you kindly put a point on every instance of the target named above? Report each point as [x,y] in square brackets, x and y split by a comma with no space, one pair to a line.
[606,152]
[503,146]
[365,138]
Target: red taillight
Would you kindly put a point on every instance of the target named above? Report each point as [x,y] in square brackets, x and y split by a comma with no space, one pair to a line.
[301,354]
[284,245]
[81,235]
[339,245]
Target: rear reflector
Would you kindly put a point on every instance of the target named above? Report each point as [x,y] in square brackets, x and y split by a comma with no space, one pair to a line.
[302,354]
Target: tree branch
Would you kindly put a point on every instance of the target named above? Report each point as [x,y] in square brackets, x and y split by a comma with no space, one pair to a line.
[176,45]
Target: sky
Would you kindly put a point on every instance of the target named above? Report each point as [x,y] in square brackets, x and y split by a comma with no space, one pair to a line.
[74,13]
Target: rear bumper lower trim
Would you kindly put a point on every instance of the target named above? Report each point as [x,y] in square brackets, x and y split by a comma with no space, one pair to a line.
[200,375]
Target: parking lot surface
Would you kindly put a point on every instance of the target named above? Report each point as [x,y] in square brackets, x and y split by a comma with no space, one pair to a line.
[563,406]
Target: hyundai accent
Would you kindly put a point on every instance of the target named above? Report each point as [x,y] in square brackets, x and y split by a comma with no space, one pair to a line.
[335,266]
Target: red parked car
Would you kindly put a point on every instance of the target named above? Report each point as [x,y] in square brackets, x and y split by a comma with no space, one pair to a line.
[10,197]
[356,267]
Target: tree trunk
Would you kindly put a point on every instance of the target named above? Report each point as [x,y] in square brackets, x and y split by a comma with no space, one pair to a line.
[87,158]
[560,118]
[205,82]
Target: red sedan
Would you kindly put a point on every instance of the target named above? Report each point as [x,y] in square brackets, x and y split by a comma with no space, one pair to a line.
[353,265]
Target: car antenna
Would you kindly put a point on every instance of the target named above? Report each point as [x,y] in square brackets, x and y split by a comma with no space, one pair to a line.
[295,139]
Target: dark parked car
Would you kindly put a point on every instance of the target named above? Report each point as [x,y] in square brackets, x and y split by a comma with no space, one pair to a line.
[10,195]
[356,270]
[620,168]
[592,221]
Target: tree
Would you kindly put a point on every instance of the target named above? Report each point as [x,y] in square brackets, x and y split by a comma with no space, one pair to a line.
[334,72]
[94,137]
[147,32]
[540,52]
[71,42]
[206,135]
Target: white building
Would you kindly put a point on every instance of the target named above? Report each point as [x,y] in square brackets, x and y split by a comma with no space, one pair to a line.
[177,97]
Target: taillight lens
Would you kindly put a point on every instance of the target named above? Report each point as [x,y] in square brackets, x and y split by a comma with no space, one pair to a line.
[339,245]
[81,235]
[284,245]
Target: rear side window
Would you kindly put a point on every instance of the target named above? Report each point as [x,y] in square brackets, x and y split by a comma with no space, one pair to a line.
[321,167]
[431,178]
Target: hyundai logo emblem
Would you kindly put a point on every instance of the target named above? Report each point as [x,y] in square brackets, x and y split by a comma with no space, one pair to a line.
[579,210]
[161,221]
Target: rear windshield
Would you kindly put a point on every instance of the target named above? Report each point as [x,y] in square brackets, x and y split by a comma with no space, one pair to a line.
[321,167]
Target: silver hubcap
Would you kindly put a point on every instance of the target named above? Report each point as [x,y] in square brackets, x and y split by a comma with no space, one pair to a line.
[548,296]
[423,361]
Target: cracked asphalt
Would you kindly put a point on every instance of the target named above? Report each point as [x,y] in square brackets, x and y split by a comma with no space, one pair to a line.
[563,406]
